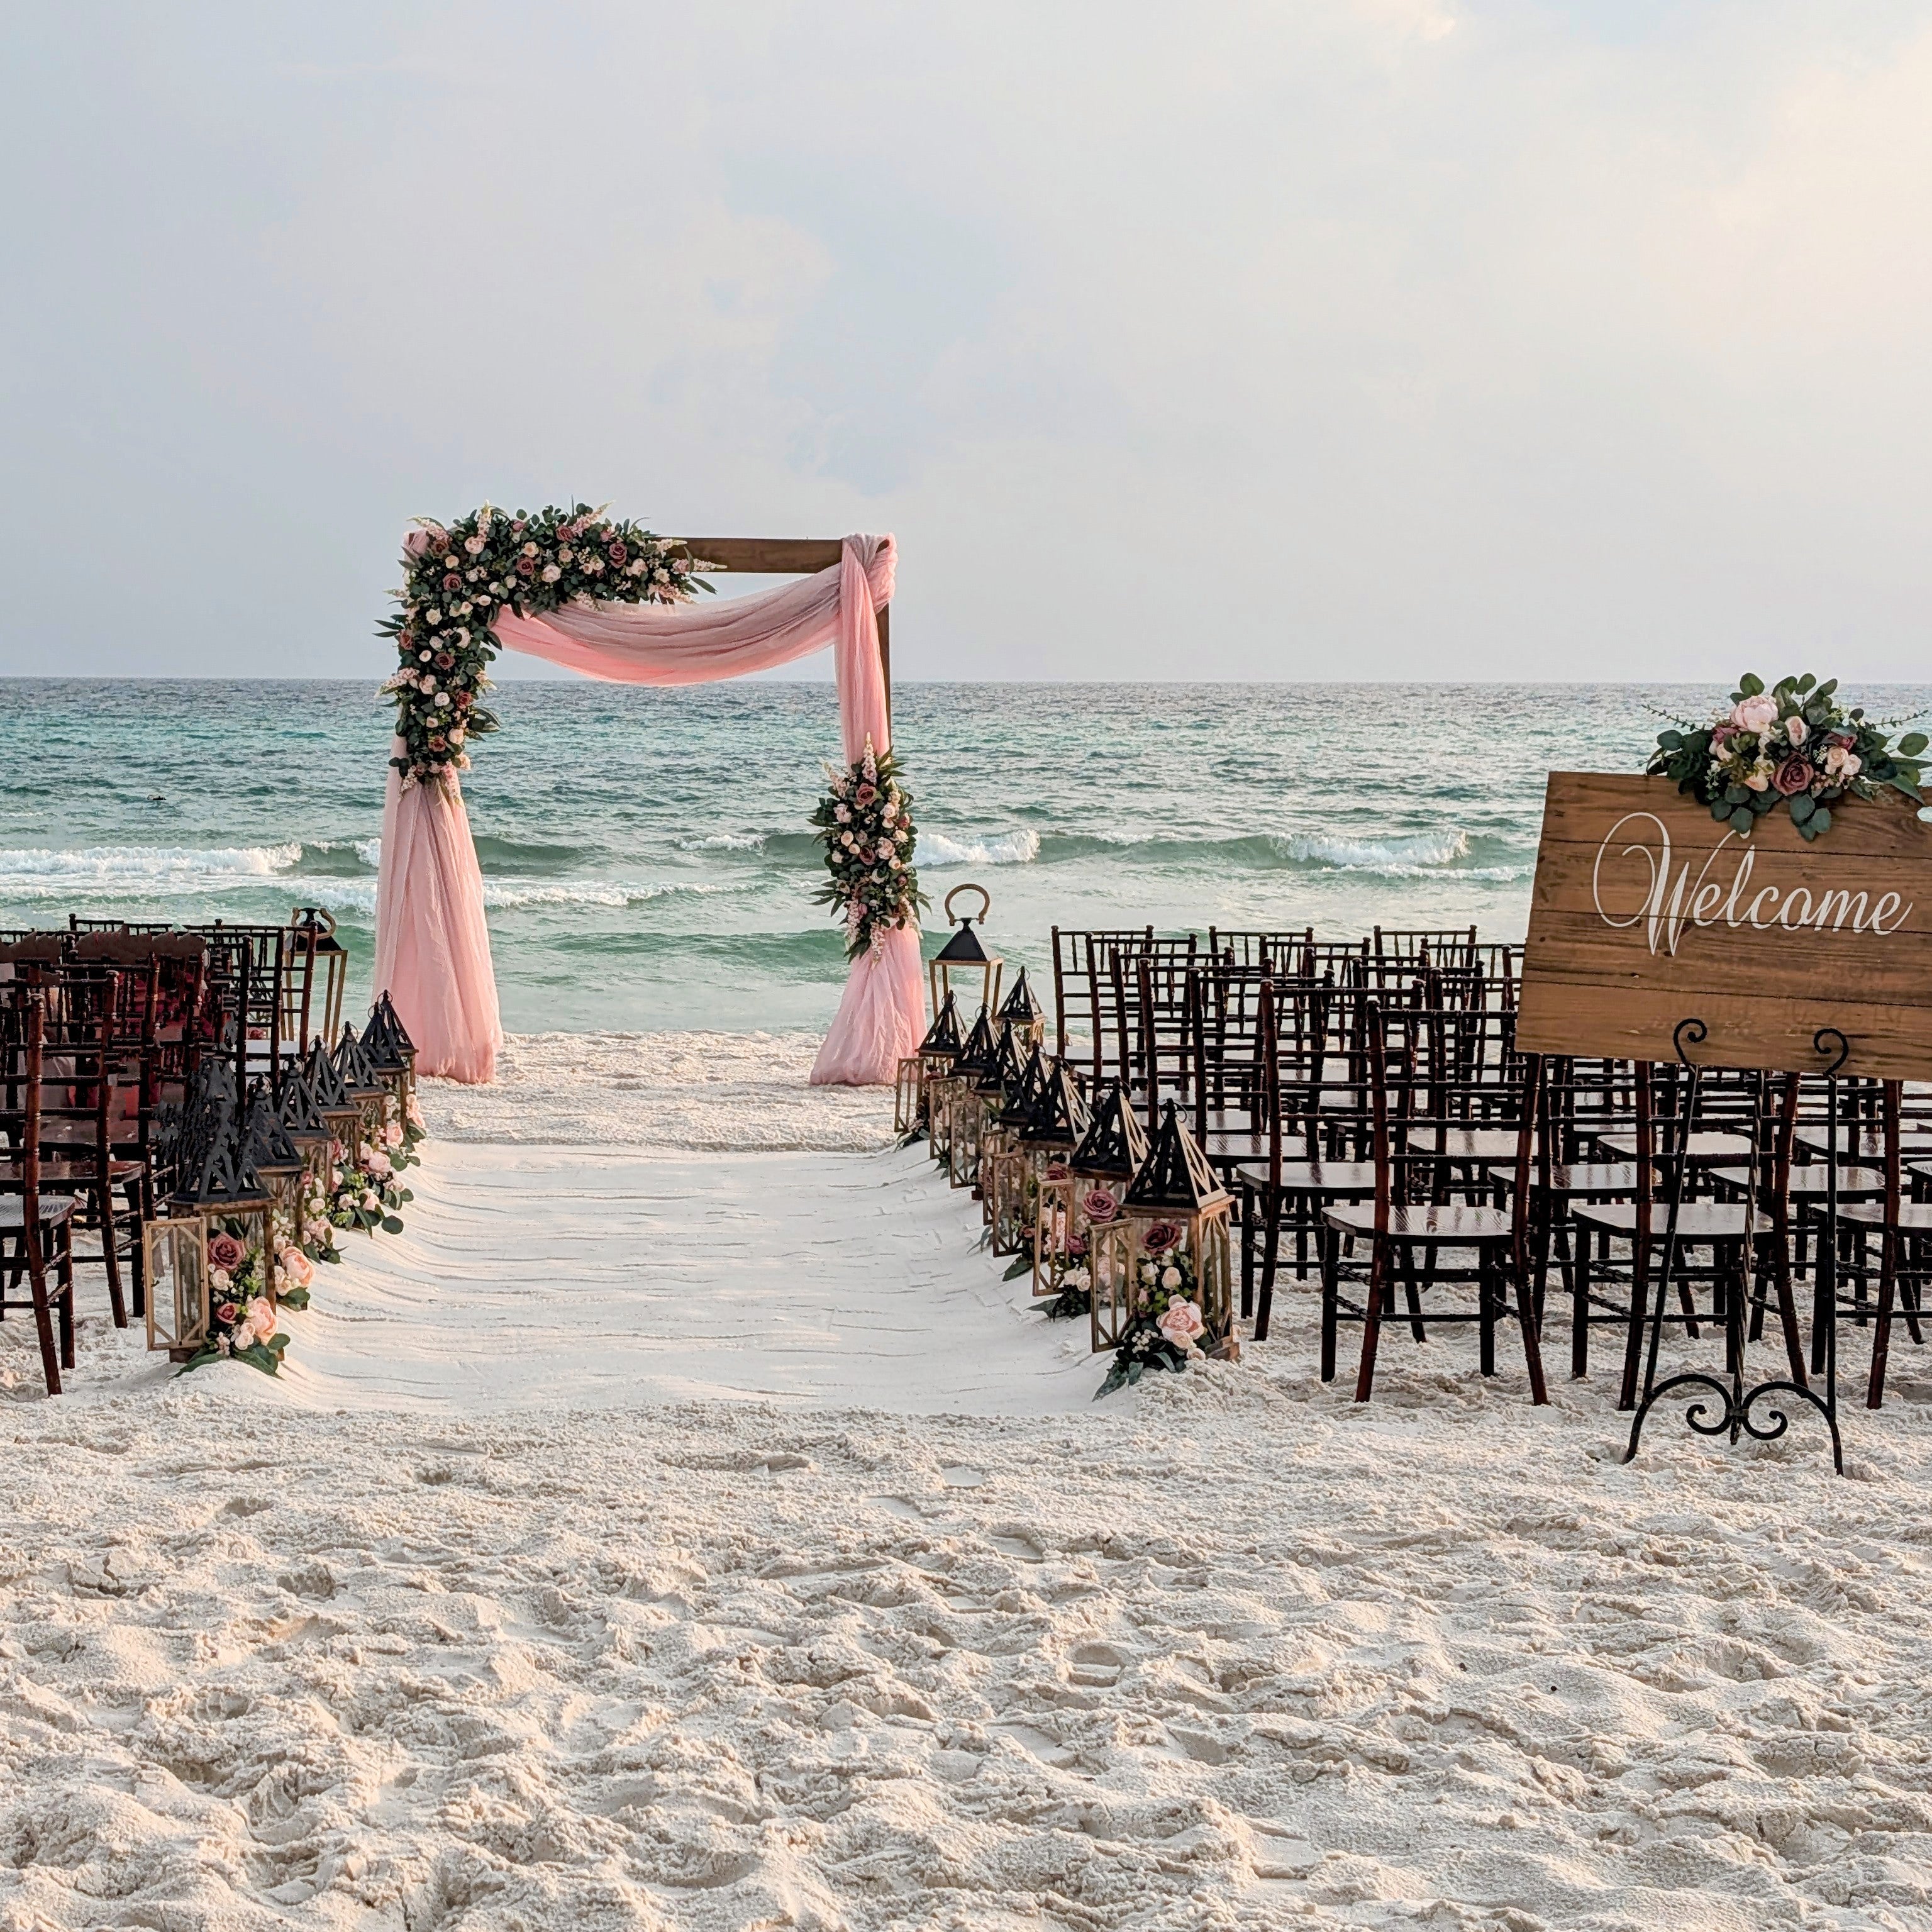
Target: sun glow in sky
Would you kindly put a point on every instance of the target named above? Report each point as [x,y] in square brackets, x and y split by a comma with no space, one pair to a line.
[1399,338]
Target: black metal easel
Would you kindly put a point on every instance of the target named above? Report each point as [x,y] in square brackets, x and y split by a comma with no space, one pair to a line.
[1735,1419]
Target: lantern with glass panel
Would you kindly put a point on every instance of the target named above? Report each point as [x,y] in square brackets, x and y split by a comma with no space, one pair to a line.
[340,1114]
[279,1165]
[945,1094]
[391,1055]
[1101,1168]
[1059,1121]
[1003,1192]
[930,1061]
[361,1084]
[979,1101]
[214,1241]
[1170,1243]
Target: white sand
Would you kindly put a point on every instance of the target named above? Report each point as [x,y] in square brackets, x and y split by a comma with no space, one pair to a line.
[437,1634]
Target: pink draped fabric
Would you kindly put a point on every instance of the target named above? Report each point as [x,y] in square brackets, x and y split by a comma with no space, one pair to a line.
[432,945]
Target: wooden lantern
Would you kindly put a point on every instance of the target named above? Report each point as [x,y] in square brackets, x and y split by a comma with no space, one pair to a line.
[341,1115]
[279,1165]
[945,1096]
[215,1239]
[980,1099]
[1003,1161]
[1059,1121]
[302,1122]
[391,1055]
[962,966]
[1102,1165]
[932,1060]
[1172,1239]
[1021,1012]
[317,992]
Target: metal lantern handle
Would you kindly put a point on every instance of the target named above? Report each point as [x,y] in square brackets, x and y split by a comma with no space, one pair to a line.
[986,903]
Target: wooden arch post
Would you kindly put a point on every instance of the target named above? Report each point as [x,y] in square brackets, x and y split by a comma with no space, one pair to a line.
[791,556]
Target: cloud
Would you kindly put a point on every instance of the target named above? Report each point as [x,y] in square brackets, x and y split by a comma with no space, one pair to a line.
[1256,341]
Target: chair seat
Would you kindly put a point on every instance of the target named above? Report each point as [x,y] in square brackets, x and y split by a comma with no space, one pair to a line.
[1913,1218]
[1332,1177]
[1704,1148]
[71,1173]
[1465,1143]
[1810,1183]
[1451,1225]
[1696,1220]
[1604,1177]
[1226,1143]
[13,1211]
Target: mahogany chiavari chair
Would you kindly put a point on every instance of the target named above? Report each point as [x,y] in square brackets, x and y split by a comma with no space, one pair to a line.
[36,1237]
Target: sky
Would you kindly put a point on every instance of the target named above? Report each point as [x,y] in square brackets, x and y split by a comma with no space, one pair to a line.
[1401,339]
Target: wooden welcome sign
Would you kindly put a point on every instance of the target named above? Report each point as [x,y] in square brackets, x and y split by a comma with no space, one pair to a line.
[1647,911]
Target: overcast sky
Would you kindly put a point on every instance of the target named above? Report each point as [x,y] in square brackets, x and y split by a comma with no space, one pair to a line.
[1369,338]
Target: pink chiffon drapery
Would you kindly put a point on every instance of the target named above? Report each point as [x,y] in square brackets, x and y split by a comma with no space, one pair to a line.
[432,944]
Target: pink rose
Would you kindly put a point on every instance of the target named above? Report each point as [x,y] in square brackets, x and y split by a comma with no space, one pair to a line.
[866,793]
[1182,1324]
[1056,1170]
[225,1252]
[297,1270]
[1794,775]
[1755,714]
[1162,1236]
[618,553]
[1796,730]
[1076,1245]
[227,1312]
[452,582]
[1097,1204]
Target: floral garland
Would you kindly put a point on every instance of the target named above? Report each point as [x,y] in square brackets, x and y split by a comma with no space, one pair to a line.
[865,820]
[241,1310]
[1794,745]
[457,576]
[1167,1324]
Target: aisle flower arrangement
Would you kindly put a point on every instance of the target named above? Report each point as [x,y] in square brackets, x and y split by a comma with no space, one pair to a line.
[865,821]
[1167,1324]
[318,1231]
[457,577]
[1794,745]
[241,1311]
[367,1195]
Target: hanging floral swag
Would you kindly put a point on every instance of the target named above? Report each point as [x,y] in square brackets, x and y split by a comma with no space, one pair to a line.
[1794,745]
[865,820]
[457,576]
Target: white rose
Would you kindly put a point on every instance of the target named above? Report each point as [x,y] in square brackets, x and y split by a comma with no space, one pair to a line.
[435,617]
[423,657]
[442,698]
[551,573]
[662,575]
[1170,1278]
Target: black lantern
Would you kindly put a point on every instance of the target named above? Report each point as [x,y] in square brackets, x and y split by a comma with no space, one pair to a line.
[1170,1243]
[1098,1173]
[1060,1120]
[982,1097]
[962,966]
[279,1165]
[1021,1012]
[392,1054]
[340,1114]
[946,1094]
[933,1057]
[1002,1163]
[361,1084]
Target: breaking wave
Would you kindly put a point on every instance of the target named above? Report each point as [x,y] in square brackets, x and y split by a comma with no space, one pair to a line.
[1005,848]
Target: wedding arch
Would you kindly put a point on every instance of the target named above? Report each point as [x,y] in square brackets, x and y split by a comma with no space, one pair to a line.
[613,601]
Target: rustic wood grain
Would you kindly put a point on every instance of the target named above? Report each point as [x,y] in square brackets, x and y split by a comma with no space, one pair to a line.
[768,556]
[1593,988]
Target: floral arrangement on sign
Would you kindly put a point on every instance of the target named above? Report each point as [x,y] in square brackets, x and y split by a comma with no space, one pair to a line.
[241,1311]
[1794,745]
[1167,1324]
[457,576]
[865,820]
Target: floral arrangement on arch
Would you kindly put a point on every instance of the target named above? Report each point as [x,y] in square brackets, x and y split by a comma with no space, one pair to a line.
[865,820]
[457,576]
[1794,745]
[1168,1324]
[240,1310]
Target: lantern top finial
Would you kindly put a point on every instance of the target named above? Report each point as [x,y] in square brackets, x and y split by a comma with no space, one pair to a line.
[963,948]
[1175,1175]
[1114,1145]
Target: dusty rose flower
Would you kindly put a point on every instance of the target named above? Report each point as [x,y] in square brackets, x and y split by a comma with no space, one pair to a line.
[1097,1204]
[617,553]
[1794,775]
[1056,1170]
[445,660]
[866,793]
[227,1312]
[525,568]
[550,573]
[416,543]
[438,743]
[1076,1244]
[1182,1324]
[1162,1236]
[226,1252]
[451,581]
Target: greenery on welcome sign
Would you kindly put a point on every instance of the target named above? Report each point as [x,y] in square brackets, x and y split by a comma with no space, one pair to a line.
[1794,745]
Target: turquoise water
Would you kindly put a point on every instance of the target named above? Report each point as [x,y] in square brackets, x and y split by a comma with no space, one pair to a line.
[645,852]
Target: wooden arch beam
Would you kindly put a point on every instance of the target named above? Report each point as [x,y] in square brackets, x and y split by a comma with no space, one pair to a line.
[791,556]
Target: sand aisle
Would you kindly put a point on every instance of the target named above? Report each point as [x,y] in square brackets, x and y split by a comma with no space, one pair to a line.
[531,1599]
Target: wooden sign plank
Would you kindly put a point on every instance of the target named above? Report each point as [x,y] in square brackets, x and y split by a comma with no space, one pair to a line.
[1646,911]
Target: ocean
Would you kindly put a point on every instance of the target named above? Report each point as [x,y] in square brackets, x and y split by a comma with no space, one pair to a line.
[647,859]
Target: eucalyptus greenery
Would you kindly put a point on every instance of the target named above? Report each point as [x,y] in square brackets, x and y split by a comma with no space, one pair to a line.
[1794,745]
